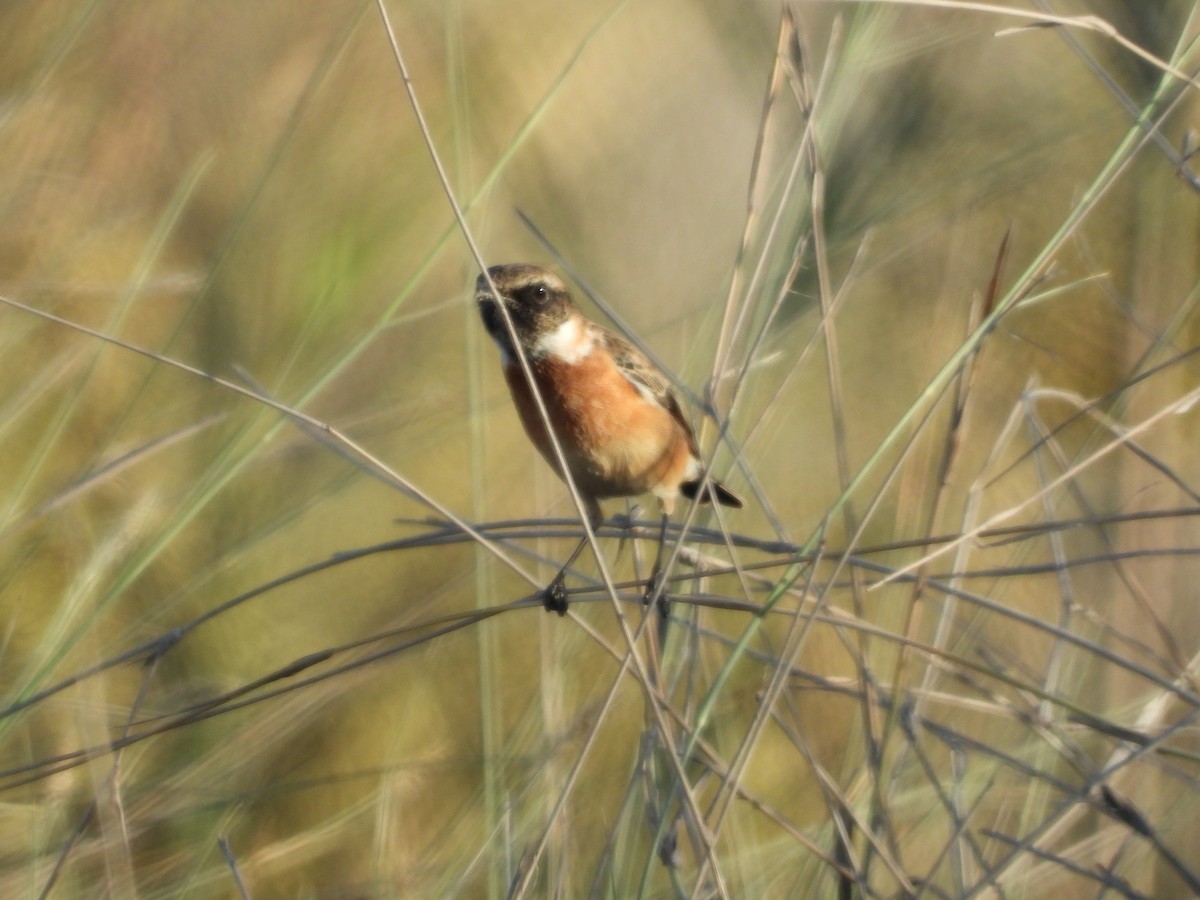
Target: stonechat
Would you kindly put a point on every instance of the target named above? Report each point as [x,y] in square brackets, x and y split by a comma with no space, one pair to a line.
[617,419]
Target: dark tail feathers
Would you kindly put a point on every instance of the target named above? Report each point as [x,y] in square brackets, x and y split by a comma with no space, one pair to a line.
[714,490]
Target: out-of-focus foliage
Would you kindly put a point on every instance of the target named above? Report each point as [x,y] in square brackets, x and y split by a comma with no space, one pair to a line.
[243,188]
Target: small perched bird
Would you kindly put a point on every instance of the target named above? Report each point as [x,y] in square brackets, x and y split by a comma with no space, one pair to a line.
[615,415]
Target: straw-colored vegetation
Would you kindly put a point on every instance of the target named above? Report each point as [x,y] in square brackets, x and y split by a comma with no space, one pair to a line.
[272,538]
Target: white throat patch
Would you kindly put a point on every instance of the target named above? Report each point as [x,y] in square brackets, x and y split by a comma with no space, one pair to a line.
[571,341]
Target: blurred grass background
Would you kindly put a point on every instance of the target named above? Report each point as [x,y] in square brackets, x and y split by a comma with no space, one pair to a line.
[243,188]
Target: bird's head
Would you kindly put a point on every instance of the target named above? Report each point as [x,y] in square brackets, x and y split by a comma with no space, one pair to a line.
[537,301]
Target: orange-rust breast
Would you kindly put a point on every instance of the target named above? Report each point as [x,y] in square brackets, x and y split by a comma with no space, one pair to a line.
[617,442]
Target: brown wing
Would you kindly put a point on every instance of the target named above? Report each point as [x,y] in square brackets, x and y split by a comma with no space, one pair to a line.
[642,374]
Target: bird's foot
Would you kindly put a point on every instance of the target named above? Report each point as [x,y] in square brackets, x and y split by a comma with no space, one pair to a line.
[554,595]
[663,604]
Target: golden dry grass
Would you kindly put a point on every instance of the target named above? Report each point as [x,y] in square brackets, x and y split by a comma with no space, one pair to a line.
[937,284]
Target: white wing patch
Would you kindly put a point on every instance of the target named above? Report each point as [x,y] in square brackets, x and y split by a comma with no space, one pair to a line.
[647,394]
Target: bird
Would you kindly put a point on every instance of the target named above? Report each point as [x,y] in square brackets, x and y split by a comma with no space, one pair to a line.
[617,417]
